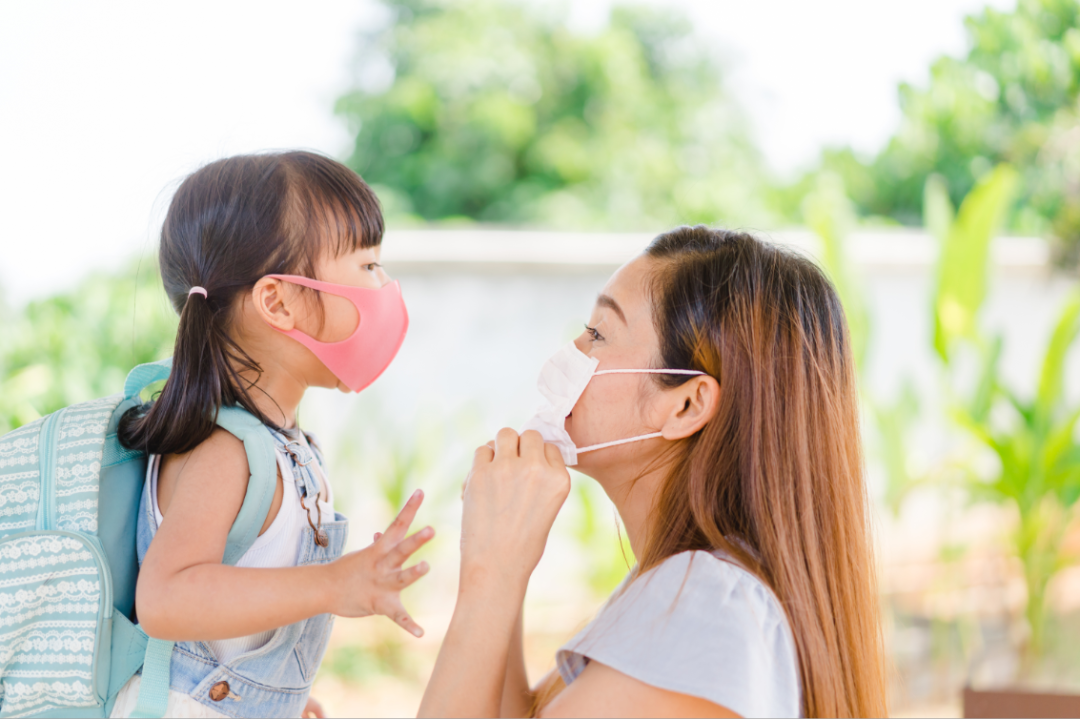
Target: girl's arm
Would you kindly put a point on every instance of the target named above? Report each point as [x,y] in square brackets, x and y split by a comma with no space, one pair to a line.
[185,593]
[511,498]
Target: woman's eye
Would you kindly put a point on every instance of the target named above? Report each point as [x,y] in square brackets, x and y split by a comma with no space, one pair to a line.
[593,333]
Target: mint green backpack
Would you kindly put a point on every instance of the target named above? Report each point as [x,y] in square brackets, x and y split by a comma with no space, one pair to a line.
[69,502]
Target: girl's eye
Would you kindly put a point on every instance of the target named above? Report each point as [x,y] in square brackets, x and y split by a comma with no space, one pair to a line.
[593,333]
[370,267]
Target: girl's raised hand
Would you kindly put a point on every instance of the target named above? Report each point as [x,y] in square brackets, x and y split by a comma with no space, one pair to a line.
[512,495]
[370,581]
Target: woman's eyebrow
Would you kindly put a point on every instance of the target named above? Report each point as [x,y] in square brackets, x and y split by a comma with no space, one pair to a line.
[606,301]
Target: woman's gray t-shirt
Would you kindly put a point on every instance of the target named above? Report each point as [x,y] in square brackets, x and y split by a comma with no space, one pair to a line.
[698,625]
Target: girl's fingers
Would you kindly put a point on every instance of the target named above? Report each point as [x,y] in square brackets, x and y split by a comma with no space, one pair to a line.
[404,549]
[377,535]
[407,577]
[397,529]
[400,617]
[314,709]
[506,443]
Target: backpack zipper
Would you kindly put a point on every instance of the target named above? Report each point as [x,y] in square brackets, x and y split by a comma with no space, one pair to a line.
[47,452]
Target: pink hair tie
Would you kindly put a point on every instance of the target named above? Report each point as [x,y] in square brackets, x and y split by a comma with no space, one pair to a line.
[200,290]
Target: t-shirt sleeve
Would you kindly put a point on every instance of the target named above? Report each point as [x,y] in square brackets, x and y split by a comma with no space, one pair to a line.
[699,626]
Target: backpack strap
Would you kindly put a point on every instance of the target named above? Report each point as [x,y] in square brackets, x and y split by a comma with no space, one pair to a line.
[145,375]
[262,461]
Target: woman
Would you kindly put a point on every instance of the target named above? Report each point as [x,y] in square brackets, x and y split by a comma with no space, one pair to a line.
[735,464]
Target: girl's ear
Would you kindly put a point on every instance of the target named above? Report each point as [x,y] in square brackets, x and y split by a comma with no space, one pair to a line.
[275,303]
[693,404]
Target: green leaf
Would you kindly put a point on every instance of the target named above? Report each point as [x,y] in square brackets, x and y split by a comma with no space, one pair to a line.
[964,258]
[1052,378]
[983,399]
[938,212]
[829,213]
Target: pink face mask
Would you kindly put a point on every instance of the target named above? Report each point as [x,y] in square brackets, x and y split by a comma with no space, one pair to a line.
[359,359]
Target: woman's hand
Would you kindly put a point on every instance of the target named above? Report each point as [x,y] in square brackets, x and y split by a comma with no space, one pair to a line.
[370,581]
[512,496]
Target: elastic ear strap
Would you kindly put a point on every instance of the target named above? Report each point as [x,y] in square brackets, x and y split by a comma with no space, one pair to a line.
[594,447]
[647,371]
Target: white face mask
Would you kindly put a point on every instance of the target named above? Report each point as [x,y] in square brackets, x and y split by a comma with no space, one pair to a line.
[562,381]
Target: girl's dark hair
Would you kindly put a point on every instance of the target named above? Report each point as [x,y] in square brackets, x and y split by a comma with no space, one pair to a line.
[231,223]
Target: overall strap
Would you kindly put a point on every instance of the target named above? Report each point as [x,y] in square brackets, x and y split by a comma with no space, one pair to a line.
[262,462]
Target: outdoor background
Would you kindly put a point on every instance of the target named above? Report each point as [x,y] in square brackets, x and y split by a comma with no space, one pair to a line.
[927,154]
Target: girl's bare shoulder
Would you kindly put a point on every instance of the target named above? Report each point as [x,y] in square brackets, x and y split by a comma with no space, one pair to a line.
[218,465]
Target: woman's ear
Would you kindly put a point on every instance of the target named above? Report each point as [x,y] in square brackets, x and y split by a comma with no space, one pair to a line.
[274,303]
[693,404]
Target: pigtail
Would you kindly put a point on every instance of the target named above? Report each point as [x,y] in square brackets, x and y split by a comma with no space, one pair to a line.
[206,375]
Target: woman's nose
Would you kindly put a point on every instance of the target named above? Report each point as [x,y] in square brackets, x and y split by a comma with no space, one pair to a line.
[582,342]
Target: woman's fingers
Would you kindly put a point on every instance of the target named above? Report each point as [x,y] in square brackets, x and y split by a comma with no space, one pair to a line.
[531,445]
[397,529]
[407,547]
[554,456]
[506,443]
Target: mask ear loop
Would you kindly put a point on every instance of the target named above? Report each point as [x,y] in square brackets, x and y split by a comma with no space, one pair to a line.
[653,435]
[648,371]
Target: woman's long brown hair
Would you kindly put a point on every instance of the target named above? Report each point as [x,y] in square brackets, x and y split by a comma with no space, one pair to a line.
[780,465]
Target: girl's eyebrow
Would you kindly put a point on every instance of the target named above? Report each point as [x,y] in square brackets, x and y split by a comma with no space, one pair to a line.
[606,301]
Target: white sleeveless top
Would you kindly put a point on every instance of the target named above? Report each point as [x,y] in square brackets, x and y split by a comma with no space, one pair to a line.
[278,546]
[701,625]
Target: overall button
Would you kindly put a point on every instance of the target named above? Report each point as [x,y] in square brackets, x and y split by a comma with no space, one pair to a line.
[219,691]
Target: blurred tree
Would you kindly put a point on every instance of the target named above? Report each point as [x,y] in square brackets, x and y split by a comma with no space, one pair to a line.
[80,345]
[1013,98]
[496,111]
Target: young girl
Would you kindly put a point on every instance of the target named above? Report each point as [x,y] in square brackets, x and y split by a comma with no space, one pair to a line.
[272,262]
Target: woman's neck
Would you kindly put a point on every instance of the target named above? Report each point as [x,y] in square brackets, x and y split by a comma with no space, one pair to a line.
[634,495]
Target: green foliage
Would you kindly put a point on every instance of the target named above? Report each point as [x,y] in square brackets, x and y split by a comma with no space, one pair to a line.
[1033,440]
[498,112]
[1013,99]
[828,212]
[80,345]
[965,251]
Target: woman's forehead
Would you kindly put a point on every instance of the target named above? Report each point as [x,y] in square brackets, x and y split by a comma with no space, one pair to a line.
[629,286]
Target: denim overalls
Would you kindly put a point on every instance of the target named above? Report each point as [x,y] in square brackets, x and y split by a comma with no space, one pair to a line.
[274,680]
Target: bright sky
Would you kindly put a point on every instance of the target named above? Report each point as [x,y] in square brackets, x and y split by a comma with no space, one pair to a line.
[105,105]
